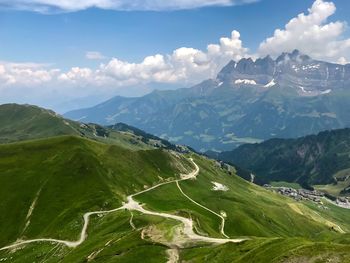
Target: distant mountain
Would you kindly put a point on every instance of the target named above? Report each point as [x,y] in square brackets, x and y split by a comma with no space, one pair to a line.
[249,101]
[311,160]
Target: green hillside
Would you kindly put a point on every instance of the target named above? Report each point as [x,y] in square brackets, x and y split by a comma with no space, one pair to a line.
[64,177]
[312,160]
[28,122]
[187,208]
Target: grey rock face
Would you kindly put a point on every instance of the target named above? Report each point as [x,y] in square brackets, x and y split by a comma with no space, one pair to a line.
[307,76]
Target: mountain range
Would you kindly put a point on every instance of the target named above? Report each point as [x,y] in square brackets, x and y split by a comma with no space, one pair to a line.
[249,101]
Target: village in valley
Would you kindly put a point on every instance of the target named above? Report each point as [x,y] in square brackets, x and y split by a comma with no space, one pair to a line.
[311,195]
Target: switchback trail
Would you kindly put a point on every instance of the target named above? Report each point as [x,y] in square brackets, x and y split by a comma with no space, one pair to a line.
[136,206]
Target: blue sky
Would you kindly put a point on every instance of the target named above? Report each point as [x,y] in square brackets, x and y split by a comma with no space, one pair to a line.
[64,38]
[57,39]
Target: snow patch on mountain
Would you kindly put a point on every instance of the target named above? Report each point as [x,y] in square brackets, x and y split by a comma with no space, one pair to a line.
[304,90]
[313,66]
[326,91]
[245,81]
[270,84]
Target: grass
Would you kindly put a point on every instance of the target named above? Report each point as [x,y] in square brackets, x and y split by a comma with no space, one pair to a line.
[27,122]
[24,122]
[176,203]
[269,251]
[111,239]
[335,189]
[75,175]
[251,210]
[71,175]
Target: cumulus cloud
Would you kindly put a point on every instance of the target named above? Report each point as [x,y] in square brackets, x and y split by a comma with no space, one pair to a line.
[312,34]
[184,66]
[26,74]
[187,65]
[342,61]
[94,55]
[47,6]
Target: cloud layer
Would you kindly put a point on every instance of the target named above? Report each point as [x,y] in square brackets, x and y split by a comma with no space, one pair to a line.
[48,6]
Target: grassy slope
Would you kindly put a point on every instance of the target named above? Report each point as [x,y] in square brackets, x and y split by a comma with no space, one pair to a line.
[79,175]
[30,122]
[251,210]
[342,183]
[75,176]
[113,239]
[270,251]
[111,236]
[27,122]
[289,230]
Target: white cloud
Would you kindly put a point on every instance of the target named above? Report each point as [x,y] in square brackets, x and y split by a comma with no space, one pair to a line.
[184,66]
[342,61]
[26,74]
[47,6]
[94,55]
[312,34]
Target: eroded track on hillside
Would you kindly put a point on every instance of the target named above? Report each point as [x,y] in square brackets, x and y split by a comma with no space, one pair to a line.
[133,205]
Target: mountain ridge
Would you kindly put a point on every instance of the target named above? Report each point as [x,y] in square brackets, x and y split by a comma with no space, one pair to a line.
[249,101]
[30,122]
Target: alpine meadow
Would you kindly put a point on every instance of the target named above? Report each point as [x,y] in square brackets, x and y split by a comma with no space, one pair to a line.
[140,131]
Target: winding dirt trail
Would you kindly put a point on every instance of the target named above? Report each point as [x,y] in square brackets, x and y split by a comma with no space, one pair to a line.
[222,227]
[133,205]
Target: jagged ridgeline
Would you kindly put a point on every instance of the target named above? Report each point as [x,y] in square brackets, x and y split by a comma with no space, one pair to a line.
[67,169]
[249,101]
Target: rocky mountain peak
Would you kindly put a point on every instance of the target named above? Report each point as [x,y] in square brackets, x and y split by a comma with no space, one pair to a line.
[294,56]
[295,70]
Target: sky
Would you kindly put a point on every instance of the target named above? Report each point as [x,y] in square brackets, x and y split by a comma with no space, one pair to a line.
[67,54]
